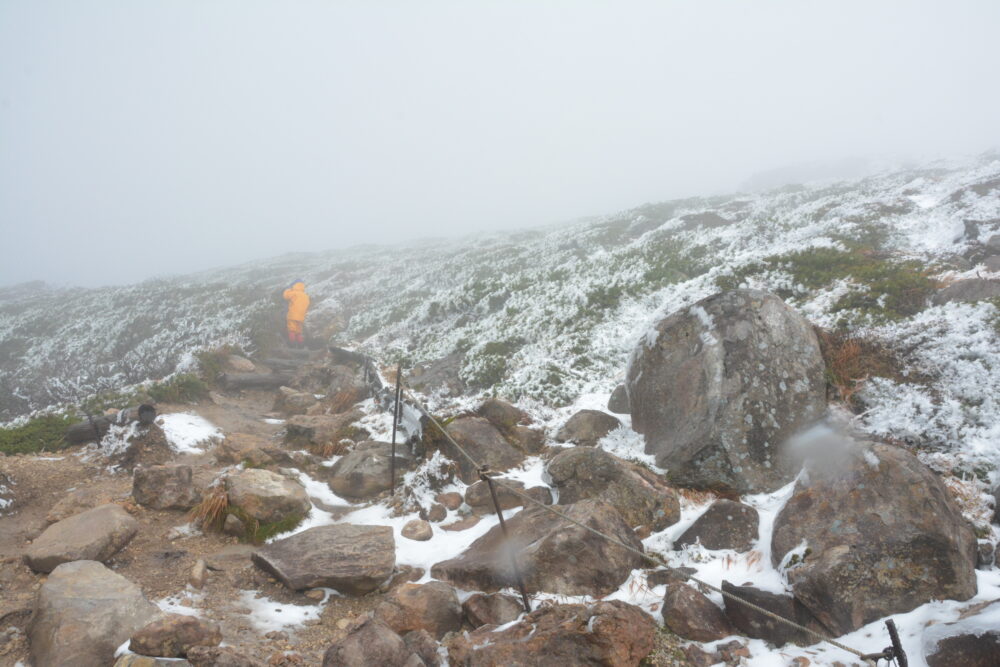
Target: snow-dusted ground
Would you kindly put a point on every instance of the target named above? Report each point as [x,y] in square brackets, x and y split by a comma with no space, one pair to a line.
[549,318]
[189,433]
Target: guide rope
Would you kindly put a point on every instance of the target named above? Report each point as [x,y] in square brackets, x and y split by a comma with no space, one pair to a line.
[483,471]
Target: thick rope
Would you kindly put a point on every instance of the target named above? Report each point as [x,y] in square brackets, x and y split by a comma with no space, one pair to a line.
[650,557]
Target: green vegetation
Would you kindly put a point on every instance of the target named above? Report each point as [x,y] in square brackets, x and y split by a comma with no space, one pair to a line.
[487,365]
[889,290]
[212,363]
[117,400]
[259,532]
[183,388]
[41,434]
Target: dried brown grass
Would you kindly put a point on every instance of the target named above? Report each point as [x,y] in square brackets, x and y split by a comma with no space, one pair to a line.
[211,512]
[852,359]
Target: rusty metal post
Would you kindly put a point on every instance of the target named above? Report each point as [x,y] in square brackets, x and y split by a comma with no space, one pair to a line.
[503,527]
[395,424]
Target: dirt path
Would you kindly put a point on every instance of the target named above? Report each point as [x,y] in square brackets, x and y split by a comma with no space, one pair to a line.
[160,558]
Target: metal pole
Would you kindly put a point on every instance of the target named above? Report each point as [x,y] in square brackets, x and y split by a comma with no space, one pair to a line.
[395,423]
[503,527]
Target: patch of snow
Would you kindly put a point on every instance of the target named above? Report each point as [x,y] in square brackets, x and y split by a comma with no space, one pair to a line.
[189,433]
[175,604]
[273,421]
[267,615]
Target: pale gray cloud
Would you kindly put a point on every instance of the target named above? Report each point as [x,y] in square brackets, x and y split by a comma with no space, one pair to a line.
[143,138]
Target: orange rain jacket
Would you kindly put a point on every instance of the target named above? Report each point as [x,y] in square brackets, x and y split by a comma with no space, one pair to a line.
[298,302]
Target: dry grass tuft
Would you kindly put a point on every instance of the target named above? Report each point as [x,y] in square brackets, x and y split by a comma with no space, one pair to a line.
[346,399]
[211,512]
[851,359]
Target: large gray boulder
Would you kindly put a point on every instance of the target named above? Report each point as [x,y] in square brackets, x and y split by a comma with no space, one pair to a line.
[96,534]
[719,387]
[883,535]
[484,442]
[642,498]
[973,289]
[354,560]
[553,555]
[84,612]
[266,497]
[165,487]
[365,471]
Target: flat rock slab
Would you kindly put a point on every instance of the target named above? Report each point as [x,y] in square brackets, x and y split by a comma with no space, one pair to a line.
[554,555]
[83,614]
[96,534]
[350,559]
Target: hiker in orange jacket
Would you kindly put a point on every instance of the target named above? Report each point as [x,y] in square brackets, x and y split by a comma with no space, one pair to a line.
[298,304]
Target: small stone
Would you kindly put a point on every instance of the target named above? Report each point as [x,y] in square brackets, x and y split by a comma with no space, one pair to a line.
[233,526]
[315,594]
[450,500]
[240,364]
[173,635]
[417,530]
[437,513]
[198,574]
[462,524]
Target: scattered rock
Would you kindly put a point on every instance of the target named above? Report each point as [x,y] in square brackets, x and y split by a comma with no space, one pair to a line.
[661,577]
[364,472]
[724,525]
[433,607]
[351,559]
[639,495]
[94,535]
[618,402]
[442,376]
[530,440]
[462,524]
[173,635]
[199,573]
[252,450]
[907,542]
[758,626]
[76,501]
[689,614]
[165,487]
[292,402]
[437,513]
[973,289]
[719,387]
[484,442]
[491,609]
[234,526]
[450,500]
[220,656]
[422,643]
[267,497]
[134,660]
[608,633]
[985,553]
[478,497]
[587,427]
[418,530]
[240,364]
[83,613]
[972,641]
[502,414]
[968,650]
[559,557]
[370,643]
[324,431]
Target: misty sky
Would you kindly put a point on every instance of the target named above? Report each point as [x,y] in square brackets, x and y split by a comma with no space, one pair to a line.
[162,136]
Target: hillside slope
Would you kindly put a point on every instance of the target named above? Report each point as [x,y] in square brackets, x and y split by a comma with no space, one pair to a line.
[546,316]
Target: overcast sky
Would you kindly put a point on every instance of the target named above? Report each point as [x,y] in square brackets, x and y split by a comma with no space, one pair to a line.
[162,136]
